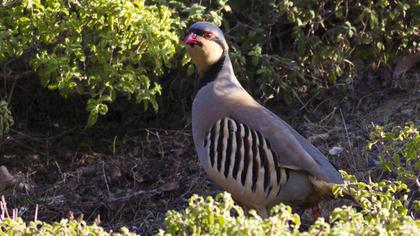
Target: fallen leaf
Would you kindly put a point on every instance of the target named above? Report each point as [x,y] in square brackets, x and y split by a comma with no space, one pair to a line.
[169,186]
[115,172]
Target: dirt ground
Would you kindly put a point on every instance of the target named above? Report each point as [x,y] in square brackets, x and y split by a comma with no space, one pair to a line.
[130,174]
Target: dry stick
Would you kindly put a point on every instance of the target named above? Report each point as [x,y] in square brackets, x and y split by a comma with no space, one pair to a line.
[97,220]
[348,138]
[104,175]
[2,210]
[9,98]
[307,102]
[161,152]
[41,138]
[21,75]
[3,205]
[60,172]
[36,213]
[128,196]
[15,214]
[319,105]
[328,116]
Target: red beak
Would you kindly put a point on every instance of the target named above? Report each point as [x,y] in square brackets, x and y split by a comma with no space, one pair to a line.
[191,39]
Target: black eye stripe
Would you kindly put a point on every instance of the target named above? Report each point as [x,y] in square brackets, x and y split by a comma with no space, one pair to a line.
[215,37]
[201,33]
[198,32]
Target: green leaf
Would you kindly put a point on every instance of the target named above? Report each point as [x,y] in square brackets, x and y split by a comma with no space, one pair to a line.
[93,117]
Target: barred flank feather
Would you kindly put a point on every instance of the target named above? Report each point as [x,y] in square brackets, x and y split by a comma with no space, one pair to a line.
[239,152]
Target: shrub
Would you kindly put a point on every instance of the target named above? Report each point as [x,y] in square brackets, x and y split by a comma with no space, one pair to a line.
[9,226]
[191,12]
[383,212]
[102,48]
[13,225]
[399,153]
[306,46]
[93,47]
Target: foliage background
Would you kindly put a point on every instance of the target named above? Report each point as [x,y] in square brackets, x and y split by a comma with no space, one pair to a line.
[316,62]
[280,49]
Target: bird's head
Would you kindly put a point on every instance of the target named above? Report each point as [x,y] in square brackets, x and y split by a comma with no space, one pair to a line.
[205,44]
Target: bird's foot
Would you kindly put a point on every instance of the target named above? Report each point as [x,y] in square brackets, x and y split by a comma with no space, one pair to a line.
[316,212]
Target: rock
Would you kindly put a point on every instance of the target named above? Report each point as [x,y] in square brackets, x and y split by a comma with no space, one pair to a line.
[335,150]
[6,179]
[407,112]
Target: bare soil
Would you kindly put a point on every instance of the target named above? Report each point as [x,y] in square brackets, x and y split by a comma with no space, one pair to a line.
[129,169]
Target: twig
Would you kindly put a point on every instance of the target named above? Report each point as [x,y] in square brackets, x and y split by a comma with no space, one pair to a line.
[307,102]
[59,171]
[126,197]
[36,213]
[329,115]
[26,74]
[15,214]
[104,175]
[348,139]
[156,133]
[3,206]
[42,138]
[9,98]
[345,128]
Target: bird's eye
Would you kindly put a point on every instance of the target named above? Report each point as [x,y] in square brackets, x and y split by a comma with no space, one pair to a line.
[207,35]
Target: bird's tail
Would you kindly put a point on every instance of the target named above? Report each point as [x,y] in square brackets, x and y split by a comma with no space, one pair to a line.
[325,189]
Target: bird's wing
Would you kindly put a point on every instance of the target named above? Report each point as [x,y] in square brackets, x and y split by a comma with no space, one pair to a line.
[293,150]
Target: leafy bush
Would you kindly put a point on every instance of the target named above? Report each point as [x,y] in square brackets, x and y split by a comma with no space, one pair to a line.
[13,225]
[94,47]
[303,46]
[384,208]
[9,226]
[383,212]
[191,12]
[102,48]
[399,152]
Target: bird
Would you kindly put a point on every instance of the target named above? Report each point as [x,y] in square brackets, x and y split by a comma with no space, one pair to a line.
[244,147]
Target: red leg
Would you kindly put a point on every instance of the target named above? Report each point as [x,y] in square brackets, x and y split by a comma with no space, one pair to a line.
[316,212]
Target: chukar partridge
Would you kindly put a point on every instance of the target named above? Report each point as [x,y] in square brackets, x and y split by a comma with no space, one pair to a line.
[245,148]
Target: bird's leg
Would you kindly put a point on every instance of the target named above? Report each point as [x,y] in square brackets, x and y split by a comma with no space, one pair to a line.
[262,212]
[316,212]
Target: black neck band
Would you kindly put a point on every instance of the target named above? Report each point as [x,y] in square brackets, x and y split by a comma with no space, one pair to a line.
[211,74]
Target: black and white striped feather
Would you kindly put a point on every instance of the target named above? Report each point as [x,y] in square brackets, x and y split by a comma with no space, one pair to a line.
[237,152]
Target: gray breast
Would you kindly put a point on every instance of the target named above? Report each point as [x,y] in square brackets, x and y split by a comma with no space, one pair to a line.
[242,156]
